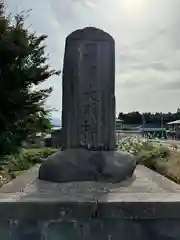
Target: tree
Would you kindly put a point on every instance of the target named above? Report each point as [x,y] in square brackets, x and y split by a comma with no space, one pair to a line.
[152,118]
[23,66]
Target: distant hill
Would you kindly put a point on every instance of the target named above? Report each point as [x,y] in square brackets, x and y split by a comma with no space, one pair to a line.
[56,122]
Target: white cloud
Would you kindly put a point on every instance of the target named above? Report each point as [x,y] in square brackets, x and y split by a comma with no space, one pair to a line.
[147,36]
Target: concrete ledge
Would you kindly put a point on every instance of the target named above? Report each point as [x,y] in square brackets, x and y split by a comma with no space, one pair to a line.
[19,183]
[122,208]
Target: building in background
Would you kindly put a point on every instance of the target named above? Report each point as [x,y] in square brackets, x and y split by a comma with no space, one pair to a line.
[119,124]
[54,139]
[174,129]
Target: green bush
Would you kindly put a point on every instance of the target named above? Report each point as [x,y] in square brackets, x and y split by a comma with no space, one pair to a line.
[147,159]
[27,158]
[164,151]
[12,165]
[147,152]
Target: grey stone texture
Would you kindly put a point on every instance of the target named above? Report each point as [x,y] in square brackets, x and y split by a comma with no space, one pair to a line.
[85,165]
[88,114]
[145,207]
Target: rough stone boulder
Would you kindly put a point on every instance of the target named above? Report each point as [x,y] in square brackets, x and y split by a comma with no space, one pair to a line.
[85,165]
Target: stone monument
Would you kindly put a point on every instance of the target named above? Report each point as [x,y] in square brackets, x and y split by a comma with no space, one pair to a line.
[88,114]
[88,117]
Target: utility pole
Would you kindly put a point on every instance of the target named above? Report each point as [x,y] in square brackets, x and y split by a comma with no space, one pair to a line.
[162,124]
[143,122]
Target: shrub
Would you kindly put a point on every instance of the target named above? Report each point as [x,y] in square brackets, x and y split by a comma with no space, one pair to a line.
[147,152]
[132,145]
[12,165]
[27,158]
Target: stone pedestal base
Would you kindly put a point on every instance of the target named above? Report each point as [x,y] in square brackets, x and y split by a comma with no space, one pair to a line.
[83,165]
[144,207]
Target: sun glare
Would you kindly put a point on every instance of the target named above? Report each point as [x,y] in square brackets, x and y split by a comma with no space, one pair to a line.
[132,7]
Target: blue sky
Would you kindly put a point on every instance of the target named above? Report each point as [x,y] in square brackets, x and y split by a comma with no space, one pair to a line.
[147,36]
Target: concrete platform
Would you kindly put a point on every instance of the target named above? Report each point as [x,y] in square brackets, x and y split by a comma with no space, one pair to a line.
[144,207]
[143,181]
